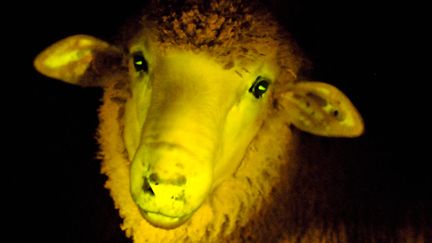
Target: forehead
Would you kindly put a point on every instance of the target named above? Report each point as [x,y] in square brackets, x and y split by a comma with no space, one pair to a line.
[236,34]
[240,64]
[197,69]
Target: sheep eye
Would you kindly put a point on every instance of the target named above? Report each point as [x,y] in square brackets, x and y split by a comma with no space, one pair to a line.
[139,62]
[259,87]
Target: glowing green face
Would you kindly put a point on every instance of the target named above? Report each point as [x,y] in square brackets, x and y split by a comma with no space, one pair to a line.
[190,119]
[187,126]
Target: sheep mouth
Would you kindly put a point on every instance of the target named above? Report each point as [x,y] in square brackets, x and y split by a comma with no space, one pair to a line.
[163,221]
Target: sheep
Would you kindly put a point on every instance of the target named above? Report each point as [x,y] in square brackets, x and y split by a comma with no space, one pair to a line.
[264,172]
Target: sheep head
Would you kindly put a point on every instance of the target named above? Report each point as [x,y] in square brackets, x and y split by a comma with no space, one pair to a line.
[194,102]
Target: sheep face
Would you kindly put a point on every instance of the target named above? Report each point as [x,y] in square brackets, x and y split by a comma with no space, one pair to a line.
[188,111]
[188,123]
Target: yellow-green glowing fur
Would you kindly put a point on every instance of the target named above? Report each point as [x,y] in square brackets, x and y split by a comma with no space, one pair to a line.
[236,151]
[232,204]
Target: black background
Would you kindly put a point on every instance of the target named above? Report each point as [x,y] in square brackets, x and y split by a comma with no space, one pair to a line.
[368,50]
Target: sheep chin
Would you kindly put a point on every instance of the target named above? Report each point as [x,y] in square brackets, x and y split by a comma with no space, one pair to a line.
[163,221]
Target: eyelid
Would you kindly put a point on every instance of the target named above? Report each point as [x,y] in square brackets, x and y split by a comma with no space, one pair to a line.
[133,53]
[261,78]
[136,53]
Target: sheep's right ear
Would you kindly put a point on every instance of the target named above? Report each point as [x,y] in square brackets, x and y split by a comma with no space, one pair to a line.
[75,60]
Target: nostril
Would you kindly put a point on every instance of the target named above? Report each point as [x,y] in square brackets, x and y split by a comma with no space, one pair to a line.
[154,178]
[181,180]
[147,188]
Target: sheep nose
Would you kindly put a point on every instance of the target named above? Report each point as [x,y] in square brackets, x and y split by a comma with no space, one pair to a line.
[155,180]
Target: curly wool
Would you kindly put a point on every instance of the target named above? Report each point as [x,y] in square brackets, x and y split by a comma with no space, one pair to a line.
[238,209]
[239,30]
[206,23]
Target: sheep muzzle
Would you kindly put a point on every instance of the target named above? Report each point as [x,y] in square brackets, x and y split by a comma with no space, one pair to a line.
[169,183]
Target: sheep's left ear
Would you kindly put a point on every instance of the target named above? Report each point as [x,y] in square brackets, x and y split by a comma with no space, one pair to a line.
[322,109]
[80,59]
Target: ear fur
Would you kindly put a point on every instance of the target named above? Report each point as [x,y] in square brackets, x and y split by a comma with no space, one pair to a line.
[74,59]
[321,109]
